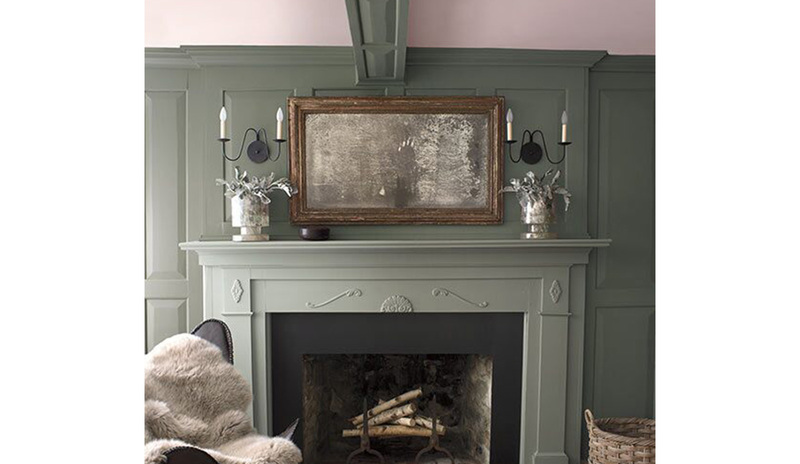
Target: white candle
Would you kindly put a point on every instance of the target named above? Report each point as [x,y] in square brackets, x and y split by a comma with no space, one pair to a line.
[509,129]
[279,118]
[564,127]
[223,116]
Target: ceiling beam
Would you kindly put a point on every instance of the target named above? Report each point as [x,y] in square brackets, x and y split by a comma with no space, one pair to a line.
[379,29]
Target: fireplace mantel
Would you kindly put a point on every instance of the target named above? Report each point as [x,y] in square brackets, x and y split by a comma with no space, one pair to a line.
[244,283]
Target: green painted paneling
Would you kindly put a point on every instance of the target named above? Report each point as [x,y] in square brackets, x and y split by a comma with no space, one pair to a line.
[619,367]
[624,359]
[245,107]
[373,92]
[626,137]
[164,318]
[609,168]
[440,92]
[167,272]
[537,93]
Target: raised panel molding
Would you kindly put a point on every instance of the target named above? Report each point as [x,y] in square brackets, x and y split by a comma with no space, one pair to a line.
[620,317]
[164,318]
[626,193]
[165,184]
[541,109]
[440,92]
[624,361]
[371,92]
[246,108]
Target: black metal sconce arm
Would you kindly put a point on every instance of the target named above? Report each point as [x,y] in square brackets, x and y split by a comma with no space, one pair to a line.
[531,152]
[257,150]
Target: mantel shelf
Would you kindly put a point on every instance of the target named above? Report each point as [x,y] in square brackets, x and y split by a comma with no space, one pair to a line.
[391,245]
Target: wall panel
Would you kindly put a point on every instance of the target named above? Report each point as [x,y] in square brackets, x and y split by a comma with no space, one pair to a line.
[626,157]
[171,280]
[619,355]
[165,184]
[624,358]
[164,318]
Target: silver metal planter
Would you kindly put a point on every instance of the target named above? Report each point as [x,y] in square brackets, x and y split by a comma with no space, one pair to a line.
[250,214]
[539,221]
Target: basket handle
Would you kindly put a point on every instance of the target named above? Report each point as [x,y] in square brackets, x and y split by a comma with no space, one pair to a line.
[587,414]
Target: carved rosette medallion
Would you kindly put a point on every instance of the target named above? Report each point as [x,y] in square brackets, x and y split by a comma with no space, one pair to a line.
[555,291]
[237,291]
[397,304]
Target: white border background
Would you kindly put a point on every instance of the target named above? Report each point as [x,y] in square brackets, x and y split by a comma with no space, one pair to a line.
[727,182]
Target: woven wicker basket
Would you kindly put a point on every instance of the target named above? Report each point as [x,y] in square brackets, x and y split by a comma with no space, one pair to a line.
[620,440]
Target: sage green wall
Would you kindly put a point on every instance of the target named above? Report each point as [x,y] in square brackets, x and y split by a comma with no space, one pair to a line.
[619,358]
[609,169]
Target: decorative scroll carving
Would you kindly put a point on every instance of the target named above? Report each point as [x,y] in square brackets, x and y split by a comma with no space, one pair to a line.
[397,304]
[555,291]
[237,291]
[445,292]
[350,292]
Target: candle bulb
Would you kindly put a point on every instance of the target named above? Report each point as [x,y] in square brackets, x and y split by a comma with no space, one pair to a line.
[279,118]
[223,117]
[509,129]
[564,127]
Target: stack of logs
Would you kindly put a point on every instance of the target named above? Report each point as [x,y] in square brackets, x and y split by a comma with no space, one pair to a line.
[397,417]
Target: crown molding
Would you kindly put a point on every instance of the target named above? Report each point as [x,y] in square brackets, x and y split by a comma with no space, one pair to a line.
[194,56]
[168,58]
[270,56]
[626,63]
[503,57]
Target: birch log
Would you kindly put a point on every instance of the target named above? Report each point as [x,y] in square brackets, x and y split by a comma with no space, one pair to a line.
[390,431]
[392,414]
[427,422]
[392,403]
[407,421]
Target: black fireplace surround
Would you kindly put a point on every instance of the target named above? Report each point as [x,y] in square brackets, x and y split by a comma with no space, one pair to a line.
[496,335]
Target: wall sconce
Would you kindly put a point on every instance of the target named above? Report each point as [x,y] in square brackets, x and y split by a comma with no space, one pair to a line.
[257,150]
[530,152]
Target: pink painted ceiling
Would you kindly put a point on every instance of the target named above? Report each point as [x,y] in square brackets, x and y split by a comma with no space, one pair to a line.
[625,27]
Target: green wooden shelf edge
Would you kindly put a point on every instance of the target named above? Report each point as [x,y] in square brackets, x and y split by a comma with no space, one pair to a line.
[396,245]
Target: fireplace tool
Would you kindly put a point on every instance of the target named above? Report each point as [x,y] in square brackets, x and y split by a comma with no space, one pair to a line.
[365,446]
[433,444]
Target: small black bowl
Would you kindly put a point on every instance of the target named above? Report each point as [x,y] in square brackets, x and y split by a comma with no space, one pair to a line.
[314,233]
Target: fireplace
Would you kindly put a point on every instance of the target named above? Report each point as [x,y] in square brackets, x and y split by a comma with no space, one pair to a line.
[454,391]
[466,321]
[467,366]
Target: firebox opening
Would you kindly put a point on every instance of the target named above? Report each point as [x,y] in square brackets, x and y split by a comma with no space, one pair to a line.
[456,388]
[494,338]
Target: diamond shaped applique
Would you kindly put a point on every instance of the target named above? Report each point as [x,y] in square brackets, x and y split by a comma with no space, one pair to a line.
[237,290]
[555,291]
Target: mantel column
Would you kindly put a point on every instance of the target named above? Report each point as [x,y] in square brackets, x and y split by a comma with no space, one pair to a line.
[234,294]
[553,348]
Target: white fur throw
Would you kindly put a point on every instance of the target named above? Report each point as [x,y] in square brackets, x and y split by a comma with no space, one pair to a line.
[194,397]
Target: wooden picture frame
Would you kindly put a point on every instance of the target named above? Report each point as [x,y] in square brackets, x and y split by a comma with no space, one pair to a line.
[396,160]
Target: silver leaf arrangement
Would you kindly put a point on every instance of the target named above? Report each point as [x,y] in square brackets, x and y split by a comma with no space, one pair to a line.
[258,187]
[536,189]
